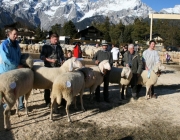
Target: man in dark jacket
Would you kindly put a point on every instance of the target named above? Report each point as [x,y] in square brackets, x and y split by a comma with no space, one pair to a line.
[133,60]
[99,57]
[53,56]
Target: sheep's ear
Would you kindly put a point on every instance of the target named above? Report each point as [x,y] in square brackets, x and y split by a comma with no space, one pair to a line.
[155,69]
[122,73]
[128,73]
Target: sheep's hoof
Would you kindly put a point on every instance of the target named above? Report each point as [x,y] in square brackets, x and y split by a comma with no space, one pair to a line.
[70,121]
[83,110]
[6,128]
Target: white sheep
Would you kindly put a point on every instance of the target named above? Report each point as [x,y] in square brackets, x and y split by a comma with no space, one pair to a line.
[37,48]
[99,72]
[67,86]
[30,47]
[23,46]
[148,82]
[15,83]
[26,60]
[44,76]
[122,77]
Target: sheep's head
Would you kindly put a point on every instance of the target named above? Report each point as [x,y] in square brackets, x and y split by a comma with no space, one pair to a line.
[126,72]
[158,68]
[104,66]
[73,63]
[26,60]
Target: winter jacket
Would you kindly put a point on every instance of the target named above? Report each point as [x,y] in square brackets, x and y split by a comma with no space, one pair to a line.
[10,55]
[77,51]
[136,66]
[115,53]
[52,52]
[103,55]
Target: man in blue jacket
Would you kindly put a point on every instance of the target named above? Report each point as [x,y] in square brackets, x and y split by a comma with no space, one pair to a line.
[10,55]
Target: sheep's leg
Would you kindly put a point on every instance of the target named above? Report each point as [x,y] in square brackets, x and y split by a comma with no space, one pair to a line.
[150,93]
[125,92]
[26,96]
[67,109]
[120,87]
[17,107]
[82,107]
[75,105]
[7,117]
[92,89]
[147,91]
[52,105]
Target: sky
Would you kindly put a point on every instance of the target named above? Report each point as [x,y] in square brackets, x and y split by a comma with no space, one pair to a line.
[158,5]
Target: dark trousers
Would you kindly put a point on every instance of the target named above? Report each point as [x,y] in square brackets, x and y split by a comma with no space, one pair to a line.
[47,94]
[133,83]
[105,88]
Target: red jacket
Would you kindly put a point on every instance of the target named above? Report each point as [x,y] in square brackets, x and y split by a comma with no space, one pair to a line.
[77,51]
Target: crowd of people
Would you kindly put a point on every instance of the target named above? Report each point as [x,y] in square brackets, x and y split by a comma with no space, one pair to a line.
[53,56]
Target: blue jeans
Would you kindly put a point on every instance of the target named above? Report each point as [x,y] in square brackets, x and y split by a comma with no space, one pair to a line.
[21,105]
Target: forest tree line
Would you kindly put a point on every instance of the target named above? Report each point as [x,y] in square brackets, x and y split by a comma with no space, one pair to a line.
[168,30]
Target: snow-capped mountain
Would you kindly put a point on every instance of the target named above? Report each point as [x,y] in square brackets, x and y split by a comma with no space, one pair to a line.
[175,10]
[49,12]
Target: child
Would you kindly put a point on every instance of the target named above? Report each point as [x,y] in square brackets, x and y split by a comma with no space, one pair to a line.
[168,57]
[69,54]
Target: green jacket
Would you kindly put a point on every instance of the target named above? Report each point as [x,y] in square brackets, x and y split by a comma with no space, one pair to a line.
[136,62]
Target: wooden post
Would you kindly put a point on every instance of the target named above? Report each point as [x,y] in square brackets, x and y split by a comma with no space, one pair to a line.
[151,15]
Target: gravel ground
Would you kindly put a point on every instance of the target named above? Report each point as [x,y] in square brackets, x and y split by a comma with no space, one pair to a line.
[156,119]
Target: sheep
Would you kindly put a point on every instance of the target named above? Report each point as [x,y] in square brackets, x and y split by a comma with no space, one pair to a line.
[44,76]
[67,86]
[26,60]
[30,47]
[15,83]
[122,77]
[37,48]
[148,82]
[23,46]
[99,71]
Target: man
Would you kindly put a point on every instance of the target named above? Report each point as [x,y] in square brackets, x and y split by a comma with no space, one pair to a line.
[133,60]
[10,55]
[99,57]
[125,48]
[115,54]
[150,59]
[53,56]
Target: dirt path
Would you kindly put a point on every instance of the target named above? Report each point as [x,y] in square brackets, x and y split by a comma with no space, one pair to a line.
[156,119]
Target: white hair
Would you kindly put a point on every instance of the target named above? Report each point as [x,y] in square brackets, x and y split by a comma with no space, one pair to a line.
[130,46]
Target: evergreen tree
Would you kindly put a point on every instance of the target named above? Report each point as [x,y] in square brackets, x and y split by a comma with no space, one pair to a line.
[139,30]
[56,28]
[38,33]
[69,29]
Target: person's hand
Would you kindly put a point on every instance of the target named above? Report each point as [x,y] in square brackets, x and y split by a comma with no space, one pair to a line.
[20,66]
[97,62]
[53,60]
[127,65]
[146,68]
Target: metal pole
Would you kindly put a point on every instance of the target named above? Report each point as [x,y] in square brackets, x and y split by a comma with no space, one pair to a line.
[151,26]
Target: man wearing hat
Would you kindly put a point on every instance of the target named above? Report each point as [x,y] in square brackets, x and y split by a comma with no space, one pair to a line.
[99,57]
